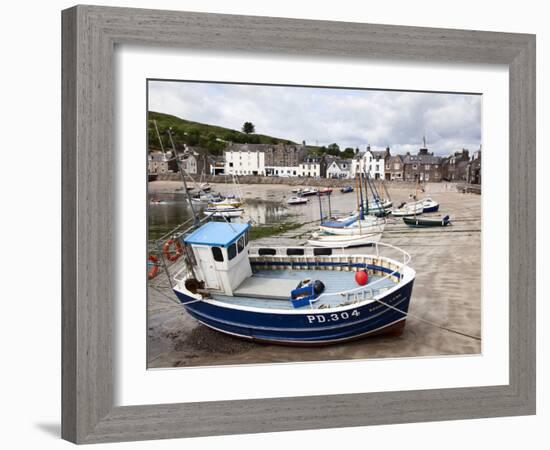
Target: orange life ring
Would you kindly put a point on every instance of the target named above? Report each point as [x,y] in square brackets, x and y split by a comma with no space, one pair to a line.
[153,272]
[167,249]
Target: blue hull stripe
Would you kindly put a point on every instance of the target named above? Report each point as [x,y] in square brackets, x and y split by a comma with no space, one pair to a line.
[194,312]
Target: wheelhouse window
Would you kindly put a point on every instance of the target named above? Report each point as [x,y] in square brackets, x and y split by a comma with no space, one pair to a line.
[240,244]
[217,254]
[231,251]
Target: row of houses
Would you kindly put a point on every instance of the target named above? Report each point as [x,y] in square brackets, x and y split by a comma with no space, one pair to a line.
[192,159]
[293,161]
[283,160]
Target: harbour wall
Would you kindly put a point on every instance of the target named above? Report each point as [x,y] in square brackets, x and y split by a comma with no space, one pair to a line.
[325,182]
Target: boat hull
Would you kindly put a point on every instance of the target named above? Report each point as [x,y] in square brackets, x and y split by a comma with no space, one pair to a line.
[310,327]
[237,212]
[431,209]
[345,241]
[423,223]
[366,227]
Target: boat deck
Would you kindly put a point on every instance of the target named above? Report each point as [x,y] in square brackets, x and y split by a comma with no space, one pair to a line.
[278,284]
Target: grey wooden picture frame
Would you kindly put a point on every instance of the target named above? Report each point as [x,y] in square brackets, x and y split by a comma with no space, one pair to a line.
[90,34]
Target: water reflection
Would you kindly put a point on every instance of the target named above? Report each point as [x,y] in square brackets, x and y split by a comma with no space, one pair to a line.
[168,210]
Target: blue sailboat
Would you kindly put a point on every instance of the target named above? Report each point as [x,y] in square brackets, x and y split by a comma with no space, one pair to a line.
[291,295]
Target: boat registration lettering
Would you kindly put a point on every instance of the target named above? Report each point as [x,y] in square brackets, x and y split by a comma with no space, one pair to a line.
[334,317]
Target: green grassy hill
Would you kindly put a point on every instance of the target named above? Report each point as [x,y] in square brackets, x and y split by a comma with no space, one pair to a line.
[211,137]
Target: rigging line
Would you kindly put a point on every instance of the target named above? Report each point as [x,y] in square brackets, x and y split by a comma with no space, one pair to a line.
[429,322]
[165,295]
[177,302]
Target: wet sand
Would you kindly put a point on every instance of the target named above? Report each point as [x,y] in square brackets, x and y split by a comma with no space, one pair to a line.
[447,290]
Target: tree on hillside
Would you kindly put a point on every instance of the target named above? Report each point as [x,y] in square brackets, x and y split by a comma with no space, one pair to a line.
[333,149]
[248,127]
[348,153]
[193,136]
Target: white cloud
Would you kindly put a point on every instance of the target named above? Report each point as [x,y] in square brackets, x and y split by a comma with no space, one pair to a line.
[349,117]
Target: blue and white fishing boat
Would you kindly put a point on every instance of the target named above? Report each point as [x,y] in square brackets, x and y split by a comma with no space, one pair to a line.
[291,295]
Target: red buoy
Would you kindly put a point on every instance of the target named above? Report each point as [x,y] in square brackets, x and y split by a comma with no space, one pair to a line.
[361,277]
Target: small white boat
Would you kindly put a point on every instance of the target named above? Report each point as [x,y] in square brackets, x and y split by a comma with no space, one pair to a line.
[224,211]
[296,201]
[366,225]
[309,191]
[409,209]
[232,202]
[332,241]
[296,190]
[205,187]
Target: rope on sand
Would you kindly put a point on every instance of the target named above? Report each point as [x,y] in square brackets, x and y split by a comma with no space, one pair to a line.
[441,327]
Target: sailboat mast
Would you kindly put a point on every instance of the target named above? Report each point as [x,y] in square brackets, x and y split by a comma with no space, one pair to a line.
[320,207]
[367,184]
[182,173]
[160,140]
[362,214]
[357,194]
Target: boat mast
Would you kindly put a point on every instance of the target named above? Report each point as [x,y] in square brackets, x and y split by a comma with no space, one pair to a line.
[362,213]
[415,190]
[160,140]
[320,206]
[357,192]
[386,191]
[182,173]
[367,184]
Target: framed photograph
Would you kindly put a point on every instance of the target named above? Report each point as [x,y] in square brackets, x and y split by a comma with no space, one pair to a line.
[278,224]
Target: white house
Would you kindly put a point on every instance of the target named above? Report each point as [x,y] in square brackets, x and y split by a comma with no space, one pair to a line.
[282,171]
[311,167]
[371,161]
[340,168]
[244,162]
[189,161]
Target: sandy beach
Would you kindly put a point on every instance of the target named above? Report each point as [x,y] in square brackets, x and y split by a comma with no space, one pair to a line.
[445,312]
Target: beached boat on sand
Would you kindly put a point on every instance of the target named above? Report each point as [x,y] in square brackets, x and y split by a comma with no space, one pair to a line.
[357,227]
[427,221]
[224,211]
[296,201]
[429,206]
[309,191]
[290,295]
[409,209]
[342,241]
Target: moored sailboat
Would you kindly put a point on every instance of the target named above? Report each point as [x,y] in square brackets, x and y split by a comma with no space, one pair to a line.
[345,241]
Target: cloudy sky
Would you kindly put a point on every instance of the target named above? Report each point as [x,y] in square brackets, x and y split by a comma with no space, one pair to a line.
[320,116]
